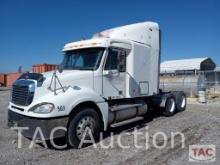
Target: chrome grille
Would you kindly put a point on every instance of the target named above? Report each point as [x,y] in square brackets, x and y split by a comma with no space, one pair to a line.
[21,95]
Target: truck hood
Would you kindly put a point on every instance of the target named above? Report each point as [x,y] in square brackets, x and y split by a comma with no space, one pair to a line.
[67,77]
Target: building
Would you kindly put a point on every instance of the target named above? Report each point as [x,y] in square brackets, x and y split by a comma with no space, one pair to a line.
[40,68]
[188,75]
[11,78]
[217,75]
[217,69]
[7,79]
[187,65]
[3,79]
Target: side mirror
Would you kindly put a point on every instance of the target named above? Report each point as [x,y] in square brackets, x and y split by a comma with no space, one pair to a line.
[111,73]
[60,68]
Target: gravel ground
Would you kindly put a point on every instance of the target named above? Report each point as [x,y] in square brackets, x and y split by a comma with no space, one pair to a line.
[199,123]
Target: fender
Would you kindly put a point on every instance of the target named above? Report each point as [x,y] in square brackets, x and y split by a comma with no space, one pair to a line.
[89,95]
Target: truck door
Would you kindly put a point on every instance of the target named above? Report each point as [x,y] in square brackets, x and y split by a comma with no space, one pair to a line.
[114,74]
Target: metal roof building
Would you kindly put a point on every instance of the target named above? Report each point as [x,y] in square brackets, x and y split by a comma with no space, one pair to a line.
[217,69]
[173,66]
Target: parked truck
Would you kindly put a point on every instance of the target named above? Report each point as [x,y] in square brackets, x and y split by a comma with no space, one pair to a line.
[107,81]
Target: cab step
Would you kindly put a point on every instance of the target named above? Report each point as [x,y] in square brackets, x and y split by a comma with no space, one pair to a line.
[138,118]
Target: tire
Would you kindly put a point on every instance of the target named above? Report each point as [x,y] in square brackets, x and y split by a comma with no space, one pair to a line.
[170,106]
[85,118]
[181,101]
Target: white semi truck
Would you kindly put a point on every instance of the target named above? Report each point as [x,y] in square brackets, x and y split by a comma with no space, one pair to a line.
[107,81]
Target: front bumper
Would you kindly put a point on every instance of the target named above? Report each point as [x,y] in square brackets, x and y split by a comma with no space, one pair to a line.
[45,125]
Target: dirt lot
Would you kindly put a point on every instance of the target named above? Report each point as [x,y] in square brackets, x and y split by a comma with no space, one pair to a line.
[200,124]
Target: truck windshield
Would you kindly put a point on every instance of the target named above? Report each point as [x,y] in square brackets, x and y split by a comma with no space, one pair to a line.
[82,59]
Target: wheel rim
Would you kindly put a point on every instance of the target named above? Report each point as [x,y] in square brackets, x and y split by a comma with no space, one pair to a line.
[171,105]
[183,103]
[86,122]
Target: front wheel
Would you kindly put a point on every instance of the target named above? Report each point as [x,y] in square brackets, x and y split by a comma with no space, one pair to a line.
[84,126]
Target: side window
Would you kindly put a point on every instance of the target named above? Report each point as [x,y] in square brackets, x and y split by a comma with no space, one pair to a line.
[116,59]
[112,60]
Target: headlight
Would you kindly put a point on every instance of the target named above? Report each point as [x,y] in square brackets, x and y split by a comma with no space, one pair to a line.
[42,108]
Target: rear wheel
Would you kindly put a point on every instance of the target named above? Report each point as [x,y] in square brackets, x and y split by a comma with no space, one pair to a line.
[170,106]
[85,125]
[181,101]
